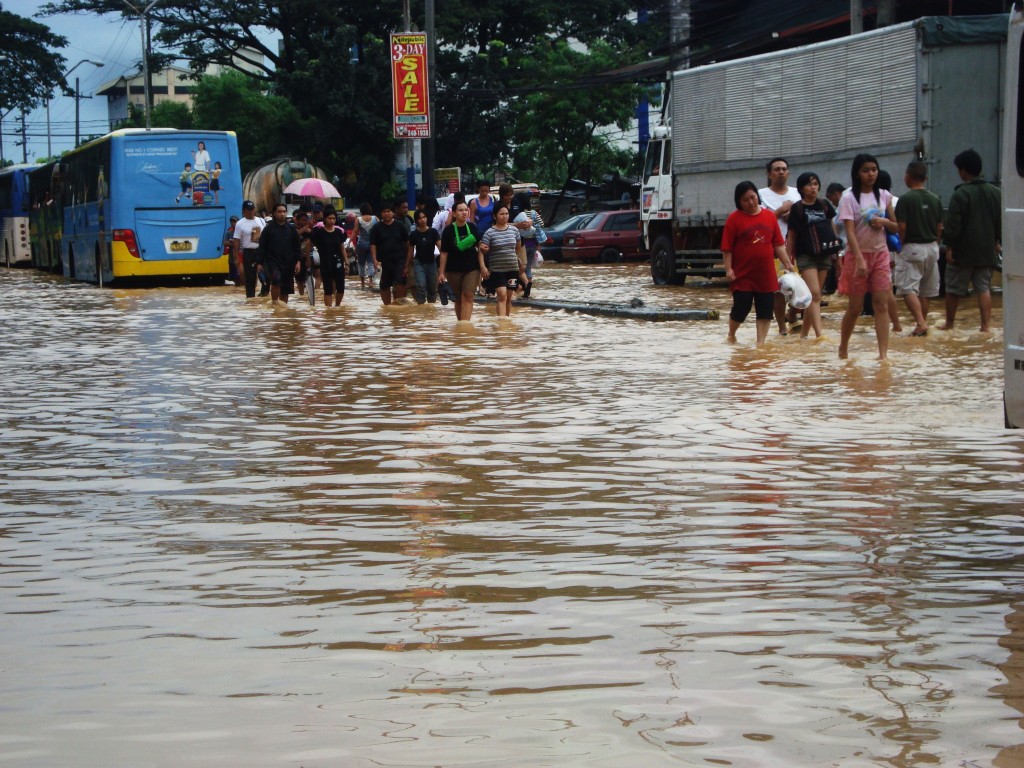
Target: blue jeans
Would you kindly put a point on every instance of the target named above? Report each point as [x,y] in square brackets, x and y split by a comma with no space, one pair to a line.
[530,246]
[365,260]
[426,280]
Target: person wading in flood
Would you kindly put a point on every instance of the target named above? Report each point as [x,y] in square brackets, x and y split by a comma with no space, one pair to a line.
[389,241]
[778,197]
[245,241]
[459,266]
[866,212]
[973,235]
[280,254]
[329,241]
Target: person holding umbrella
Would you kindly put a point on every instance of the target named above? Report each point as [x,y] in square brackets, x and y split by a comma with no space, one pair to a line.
[329,241]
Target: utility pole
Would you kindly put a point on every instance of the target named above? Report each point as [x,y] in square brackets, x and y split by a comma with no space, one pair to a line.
[679,35]
[144,32]
[429,158]
[410,151]
[856,16]
[24,139]
[886,12]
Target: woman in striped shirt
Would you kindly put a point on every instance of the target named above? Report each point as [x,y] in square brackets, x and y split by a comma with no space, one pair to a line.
[502,260]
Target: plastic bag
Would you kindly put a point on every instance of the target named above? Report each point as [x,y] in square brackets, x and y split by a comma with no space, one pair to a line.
[795,290]
[537,258]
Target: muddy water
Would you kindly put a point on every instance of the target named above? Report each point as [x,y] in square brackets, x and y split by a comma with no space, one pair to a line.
[232,535]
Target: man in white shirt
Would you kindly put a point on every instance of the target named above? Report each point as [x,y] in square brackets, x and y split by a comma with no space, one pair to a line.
[246,239]
[779,197]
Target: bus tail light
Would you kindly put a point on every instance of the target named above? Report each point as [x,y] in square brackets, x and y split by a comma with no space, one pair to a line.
[127,236]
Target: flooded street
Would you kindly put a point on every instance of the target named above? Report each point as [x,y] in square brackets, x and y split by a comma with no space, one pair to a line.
[235,535]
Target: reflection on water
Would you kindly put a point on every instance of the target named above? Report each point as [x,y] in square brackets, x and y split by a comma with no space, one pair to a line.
[238,535]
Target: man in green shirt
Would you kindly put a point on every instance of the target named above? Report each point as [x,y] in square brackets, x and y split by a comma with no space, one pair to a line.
[919,216]
[973,235]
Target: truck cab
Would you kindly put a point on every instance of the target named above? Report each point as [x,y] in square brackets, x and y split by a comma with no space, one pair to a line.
[680,242]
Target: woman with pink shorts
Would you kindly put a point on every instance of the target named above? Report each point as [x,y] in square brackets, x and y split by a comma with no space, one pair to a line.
[865,211]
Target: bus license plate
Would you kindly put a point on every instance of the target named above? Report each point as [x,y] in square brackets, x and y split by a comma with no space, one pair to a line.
[181,245]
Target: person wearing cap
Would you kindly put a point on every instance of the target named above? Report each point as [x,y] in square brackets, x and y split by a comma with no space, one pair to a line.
[245,243]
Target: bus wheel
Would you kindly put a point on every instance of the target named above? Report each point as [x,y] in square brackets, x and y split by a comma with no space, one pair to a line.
[663,263]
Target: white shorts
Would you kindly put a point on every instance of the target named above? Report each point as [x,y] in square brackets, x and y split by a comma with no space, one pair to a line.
[917,270]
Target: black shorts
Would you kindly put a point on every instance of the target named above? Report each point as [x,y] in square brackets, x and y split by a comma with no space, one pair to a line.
[333,282]
[392,273]
[496,280]
[280,276]
[763,303]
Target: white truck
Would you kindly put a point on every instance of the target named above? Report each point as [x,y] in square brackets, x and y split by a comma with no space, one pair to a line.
[925,89]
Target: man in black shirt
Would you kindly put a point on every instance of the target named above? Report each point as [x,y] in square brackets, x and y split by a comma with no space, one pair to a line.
[389,244]
[280,254]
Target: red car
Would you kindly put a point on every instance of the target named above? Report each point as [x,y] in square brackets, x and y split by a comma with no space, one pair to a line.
[609,236]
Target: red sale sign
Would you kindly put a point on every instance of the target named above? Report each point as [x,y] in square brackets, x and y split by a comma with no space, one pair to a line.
[409,85]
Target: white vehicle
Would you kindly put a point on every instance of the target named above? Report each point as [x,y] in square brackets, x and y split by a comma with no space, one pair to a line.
[1013,225]
[925,89]
[14,215]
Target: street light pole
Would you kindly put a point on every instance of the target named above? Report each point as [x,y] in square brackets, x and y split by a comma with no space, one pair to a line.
[143,15]
[78,96]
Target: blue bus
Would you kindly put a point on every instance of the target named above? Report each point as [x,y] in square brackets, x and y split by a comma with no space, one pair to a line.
[14,210]
[45,220]
[152,204]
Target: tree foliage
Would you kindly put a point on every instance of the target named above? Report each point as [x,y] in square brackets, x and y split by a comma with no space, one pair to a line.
[554,148]
[166,114]
[264,123]
[31,70]
[333,67]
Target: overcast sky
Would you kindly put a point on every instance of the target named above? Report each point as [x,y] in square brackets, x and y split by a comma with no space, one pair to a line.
[114,42]
[110,39]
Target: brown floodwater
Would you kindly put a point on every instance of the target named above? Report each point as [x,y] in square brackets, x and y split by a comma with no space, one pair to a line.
[237,535]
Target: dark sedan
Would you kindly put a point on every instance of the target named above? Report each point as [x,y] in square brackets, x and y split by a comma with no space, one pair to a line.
[552,249]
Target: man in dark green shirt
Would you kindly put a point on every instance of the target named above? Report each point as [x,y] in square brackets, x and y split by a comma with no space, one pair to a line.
[973,235]
[919,216]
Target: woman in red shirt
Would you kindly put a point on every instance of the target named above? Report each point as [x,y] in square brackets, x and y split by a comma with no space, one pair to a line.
[751,241]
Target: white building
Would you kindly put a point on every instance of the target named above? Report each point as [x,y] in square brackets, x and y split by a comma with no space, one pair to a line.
[171,84]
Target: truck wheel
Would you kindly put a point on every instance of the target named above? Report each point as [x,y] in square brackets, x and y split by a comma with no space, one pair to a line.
[663,263]
[609,256]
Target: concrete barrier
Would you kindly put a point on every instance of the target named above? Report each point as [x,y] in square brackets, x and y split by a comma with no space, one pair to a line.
[634,311]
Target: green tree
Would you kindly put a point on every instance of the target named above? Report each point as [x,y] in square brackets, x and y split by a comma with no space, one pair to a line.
[32,69]
[333,66]
[266,125]
[166,114]
[571,125]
